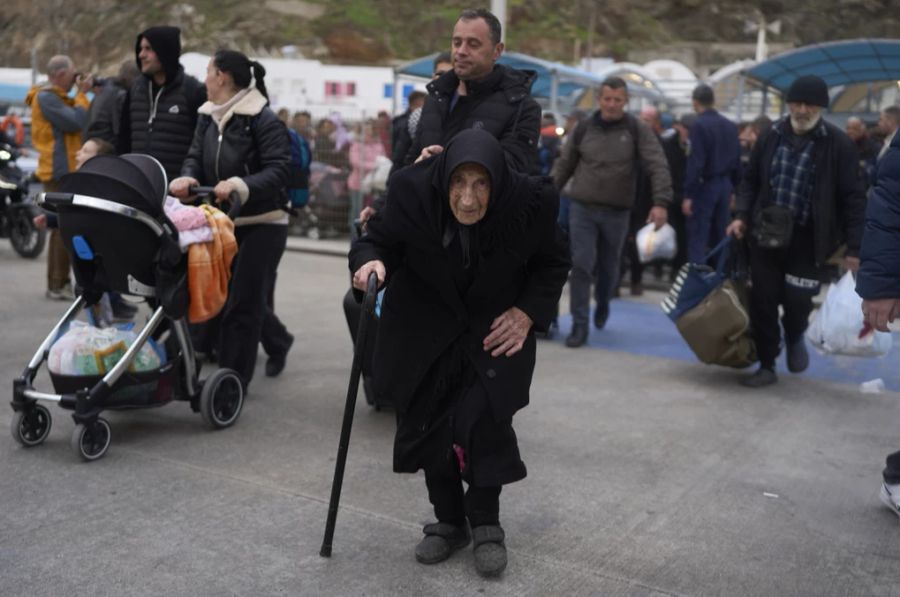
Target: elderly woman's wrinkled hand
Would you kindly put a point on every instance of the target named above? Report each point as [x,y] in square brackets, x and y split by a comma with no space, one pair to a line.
[508,333]
[361,276]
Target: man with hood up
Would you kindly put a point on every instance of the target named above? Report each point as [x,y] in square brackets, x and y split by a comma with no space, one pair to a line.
[474,260]
[163,101]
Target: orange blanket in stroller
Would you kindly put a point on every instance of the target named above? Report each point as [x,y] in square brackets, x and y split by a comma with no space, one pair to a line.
[209,268]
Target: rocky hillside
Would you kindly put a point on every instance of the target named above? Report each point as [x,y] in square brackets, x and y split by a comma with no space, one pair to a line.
[100,33]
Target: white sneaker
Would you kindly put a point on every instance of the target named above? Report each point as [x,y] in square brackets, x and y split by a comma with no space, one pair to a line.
[890,497]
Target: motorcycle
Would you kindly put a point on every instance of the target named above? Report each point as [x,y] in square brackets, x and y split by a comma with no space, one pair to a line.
[17,213]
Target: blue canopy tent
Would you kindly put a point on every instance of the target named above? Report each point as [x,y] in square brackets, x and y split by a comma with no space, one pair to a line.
[553,78]
[839,63]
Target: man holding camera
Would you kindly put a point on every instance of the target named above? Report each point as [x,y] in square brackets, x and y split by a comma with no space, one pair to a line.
[56,123]
[801,199]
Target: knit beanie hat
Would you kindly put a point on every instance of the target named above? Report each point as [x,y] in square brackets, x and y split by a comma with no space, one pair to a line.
[166,42]
[809,89]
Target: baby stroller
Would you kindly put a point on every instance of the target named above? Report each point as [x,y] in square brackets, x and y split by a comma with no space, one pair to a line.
[112,222]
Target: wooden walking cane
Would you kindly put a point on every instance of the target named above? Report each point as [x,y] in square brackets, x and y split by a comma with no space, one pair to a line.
[368,309]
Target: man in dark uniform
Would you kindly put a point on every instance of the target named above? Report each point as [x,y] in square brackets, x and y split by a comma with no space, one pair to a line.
[713,171]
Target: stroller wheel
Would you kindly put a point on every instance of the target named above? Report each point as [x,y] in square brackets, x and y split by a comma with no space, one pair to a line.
[30,428]
[91,441]
[221,398]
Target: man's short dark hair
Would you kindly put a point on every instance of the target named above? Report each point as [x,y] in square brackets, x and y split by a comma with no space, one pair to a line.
[442,57]
[493,22]
[614,83]
[893,112]
[703,95]
[415,96]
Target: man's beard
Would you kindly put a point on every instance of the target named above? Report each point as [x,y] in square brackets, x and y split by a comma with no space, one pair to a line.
[804,126]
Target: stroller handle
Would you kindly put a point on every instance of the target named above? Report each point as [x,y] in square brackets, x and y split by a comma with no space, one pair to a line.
[234,200]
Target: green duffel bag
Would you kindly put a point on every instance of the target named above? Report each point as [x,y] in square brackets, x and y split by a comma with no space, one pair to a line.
[718,329]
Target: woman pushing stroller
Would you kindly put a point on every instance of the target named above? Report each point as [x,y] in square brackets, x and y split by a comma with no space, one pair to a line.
[474,261]
[240,146]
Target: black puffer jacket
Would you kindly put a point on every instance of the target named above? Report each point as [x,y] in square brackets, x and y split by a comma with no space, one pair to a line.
[161,120]
[500,104]
[253,151]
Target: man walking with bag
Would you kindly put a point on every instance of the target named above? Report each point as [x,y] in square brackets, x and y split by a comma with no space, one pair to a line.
[603,156]
[801,199]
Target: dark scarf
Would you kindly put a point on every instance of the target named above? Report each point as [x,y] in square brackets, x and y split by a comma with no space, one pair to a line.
[471,146]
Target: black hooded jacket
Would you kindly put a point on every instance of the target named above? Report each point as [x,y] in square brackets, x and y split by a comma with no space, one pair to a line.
[517,256]
[500,104]
[162,119]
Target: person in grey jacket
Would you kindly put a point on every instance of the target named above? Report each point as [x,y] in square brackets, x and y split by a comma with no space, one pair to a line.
[603,156]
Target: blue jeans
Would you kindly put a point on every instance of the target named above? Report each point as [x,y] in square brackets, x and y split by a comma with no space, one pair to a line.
[596,237]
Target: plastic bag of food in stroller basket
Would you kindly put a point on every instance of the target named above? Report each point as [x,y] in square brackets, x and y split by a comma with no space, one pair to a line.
[88,350]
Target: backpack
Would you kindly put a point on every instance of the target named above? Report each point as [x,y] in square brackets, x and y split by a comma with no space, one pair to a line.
[630,121]
[298,183]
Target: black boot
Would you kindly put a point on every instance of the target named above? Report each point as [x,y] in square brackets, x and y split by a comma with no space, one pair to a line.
[797,356]
[601,314]
[764,376]
[578,336]
[441,540]
[490,550]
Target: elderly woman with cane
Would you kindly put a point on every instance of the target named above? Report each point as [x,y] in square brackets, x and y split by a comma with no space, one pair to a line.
[474,262]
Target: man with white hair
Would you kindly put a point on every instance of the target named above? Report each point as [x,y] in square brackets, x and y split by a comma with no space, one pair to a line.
[801,199]
[56,123]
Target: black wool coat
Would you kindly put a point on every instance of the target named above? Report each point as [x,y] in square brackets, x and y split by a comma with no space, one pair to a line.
[500,104]
[523,261]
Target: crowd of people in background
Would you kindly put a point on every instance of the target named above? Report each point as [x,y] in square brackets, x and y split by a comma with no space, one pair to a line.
[794,188]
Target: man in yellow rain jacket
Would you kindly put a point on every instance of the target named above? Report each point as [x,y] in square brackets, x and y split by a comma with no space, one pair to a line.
[56,123]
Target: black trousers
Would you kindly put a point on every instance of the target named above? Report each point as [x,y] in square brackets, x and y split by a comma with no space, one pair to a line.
[787,277]
[481,505]
[275,339]
[892,469]
[260,247]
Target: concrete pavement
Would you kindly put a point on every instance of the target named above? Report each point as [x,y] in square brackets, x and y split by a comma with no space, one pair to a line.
[647,476]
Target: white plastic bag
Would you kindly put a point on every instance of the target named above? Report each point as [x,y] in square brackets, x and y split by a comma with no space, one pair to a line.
[88,350]
[838,325]
[376,179]
[655,244]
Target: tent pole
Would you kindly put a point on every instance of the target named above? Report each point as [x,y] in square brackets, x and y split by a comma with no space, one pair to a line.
[394,94]
[554,92]
[740,99]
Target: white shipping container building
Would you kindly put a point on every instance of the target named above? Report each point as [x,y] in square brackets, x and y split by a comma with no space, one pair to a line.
[356,92]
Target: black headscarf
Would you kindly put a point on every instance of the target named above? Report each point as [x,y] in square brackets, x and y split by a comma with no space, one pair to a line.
[472,146]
